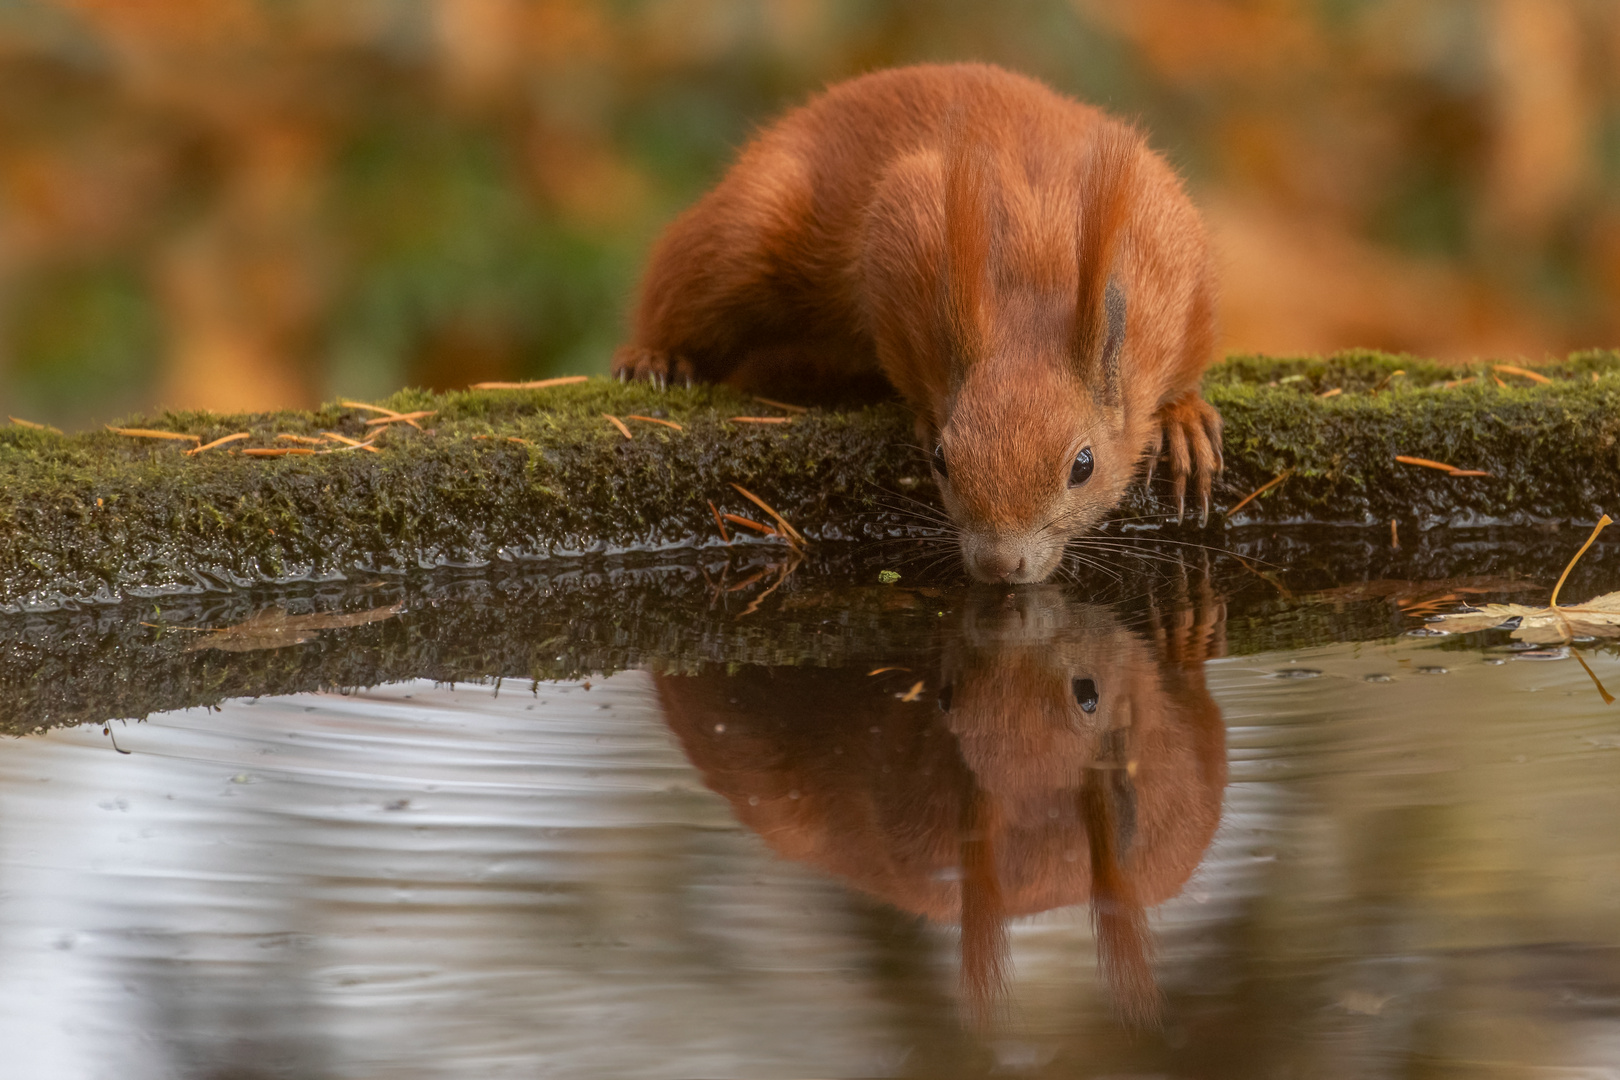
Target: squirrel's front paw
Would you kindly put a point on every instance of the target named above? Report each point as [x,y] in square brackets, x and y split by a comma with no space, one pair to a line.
[633,363]
[1191,428]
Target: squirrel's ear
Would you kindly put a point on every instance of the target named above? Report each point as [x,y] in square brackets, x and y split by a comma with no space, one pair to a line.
[1114,313]
[967,249]
[1100,303]
[983,910]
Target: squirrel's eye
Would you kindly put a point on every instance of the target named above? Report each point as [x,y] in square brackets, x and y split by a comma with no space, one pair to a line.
[1085,693]
[945,698]
[939,461]
[1080,471]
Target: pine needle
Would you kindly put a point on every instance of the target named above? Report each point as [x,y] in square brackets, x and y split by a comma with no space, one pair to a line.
[218,442]
[410,418]
[720,523]
[616,422]
[761,419]
[750,523]
[534,384]
[1533,376]
[1604,521]
[1259,491]
[368,408]
[763,505]
[1428,463]
[353,443]
[655,420]
[149,433]
[390,413]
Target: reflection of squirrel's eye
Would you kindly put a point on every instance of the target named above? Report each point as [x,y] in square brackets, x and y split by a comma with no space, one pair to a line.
[1085,692]
[1080,471]
[945,698]
[939,461]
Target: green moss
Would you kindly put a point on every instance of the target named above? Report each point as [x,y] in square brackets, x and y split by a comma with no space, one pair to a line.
[100,515]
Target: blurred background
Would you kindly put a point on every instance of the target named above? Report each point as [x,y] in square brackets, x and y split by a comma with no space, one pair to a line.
[244,204]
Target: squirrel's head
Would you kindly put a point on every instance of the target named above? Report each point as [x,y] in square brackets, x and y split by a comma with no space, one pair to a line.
[1032,444]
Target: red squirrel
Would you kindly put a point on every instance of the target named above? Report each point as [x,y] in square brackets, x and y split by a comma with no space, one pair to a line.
[1024,271]
[1058,757]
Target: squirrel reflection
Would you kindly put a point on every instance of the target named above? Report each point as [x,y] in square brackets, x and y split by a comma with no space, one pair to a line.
[1056,756]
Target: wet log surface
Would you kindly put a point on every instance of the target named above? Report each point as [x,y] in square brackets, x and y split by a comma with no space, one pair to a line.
[1279,588]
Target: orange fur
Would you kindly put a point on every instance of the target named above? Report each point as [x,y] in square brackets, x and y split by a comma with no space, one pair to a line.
[1022,269]
[1002,798]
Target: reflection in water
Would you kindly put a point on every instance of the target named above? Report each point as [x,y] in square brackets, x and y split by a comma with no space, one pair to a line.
[1413,874]
[1052,757]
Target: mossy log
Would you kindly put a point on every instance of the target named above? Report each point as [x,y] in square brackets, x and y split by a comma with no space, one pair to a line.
[510,475]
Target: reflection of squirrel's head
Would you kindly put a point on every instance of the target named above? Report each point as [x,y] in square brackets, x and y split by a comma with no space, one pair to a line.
[1053,759]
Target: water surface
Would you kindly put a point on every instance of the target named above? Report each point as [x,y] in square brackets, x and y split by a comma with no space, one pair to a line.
[1057,837]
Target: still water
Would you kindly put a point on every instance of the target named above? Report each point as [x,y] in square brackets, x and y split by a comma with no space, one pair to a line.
[1039,836]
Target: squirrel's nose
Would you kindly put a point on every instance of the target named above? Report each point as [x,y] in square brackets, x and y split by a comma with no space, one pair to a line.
[999,565]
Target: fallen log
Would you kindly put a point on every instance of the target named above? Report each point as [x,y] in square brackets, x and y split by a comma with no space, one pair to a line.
[191,502]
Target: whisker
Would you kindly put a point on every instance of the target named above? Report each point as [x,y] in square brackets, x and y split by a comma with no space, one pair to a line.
[1095,564]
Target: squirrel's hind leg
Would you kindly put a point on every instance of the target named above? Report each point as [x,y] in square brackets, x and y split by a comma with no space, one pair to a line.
[737,271]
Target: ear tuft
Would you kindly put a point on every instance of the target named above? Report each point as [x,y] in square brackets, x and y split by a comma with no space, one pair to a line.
[967,246]
[1100,302]
[1114,343]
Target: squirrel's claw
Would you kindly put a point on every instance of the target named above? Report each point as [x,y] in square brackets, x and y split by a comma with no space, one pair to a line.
[635,364]
[1154,450]
[1191,428]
